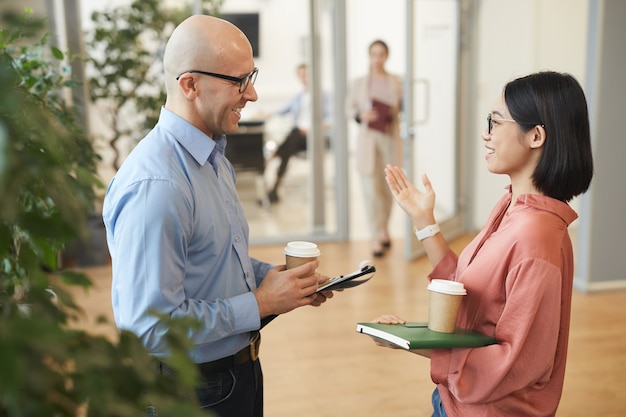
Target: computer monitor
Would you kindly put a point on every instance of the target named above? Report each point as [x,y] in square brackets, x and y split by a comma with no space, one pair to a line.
[249,25]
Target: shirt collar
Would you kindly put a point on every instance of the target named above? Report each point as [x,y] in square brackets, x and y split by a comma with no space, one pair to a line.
[201,147]
[549,204]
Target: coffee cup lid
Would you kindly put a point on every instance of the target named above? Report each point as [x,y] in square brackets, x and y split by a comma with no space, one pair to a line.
[446,286]
[301,249]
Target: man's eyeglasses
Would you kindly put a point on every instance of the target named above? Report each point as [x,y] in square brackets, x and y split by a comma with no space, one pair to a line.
[243,81]
[491,119]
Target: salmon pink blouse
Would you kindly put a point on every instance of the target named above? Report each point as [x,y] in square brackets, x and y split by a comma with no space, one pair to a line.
[518,273]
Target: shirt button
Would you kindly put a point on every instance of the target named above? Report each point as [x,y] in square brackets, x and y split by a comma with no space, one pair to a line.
[236,238]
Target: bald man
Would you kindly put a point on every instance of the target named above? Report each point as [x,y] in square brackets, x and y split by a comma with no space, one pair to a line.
[176,229]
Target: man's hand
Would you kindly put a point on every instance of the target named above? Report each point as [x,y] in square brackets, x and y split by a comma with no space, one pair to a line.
[324,295]
[283,290]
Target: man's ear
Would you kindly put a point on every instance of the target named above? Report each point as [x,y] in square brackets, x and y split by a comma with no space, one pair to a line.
[538,136]
[187,85]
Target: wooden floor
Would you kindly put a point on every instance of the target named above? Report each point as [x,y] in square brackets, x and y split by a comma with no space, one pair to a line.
[315,364]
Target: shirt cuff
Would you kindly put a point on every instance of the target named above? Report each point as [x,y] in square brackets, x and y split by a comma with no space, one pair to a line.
[246,312]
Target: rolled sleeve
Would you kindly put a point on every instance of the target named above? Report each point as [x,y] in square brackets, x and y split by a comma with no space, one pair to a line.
[446,268]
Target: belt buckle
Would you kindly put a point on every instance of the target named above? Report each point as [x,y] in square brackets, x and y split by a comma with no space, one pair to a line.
[254,347]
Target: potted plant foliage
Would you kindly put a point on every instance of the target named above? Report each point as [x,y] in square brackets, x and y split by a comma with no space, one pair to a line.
[125,50]
[47,182]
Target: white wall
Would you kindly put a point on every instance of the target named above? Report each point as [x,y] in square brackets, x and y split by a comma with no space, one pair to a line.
[602,230]
[516,38]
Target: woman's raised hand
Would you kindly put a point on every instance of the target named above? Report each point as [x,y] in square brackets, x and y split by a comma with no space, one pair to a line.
[418,205]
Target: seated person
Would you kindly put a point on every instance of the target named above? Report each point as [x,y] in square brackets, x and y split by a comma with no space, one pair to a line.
[299,109]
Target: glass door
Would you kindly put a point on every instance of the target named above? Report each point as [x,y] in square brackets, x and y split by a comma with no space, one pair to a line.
[432,97]
[293,192]
[320,196]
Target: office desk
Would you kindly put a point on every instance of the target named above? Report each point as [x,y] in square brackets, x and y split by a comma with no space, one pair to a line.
[245,148]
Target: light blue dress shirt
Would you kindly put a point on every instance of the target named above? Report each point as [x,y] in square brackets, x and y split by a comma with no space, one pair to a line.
[294,107]
[178,240]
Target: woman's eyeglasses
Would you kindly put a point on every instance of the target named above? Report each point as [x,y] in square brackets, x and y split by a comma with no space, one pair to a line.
[243,81]
[491,119]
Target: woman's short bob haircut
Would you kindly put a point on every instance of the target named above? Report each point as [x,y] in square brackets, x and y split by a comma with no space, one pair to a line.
[557,102]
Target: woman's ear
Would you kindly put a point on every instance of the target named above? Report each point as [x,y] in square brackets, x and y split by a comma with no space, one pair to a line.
[538,136]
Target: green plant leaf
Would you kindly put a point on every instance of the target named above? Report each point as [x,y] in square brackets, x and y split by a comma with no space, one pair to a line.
[56,52]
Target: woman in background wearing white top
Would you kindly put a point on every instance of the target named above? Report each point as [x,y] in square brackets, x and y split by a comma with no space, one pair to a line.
[375,103]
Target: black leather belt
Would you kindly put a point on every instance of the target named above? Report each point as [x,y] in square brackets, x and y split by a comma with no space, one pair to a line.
[248,353]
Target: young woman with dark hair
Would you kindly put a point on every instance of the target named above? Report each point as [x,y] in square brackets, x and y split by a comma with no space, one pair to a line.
[519,269]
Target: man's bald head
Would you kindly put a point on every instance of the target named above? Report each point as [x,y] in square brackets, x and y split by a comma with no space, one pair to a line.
[205,43]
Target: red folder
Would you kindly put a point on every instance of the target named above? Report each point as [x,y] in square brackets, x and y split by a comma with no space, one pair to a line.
[384,116]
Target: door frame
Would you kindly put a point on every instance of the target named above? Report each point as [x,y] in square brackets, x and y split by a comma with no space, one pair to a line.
[455,225]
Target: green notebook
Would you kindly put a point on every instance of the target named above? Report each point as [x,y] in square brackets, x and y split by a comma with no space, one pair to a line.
[412,335]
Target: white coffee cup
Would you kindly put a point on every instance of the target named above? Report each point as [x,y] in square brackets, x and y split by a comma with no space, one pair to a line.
[299,252]
[445,301]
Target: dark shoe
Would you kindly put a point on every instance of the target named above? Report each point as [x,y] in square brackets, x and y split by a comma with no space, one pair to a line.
[377,249]
[386,244]
[273,196]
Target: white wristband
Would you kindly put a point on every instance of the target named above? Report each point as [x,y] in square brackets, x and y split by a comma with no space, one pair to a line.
[429,231]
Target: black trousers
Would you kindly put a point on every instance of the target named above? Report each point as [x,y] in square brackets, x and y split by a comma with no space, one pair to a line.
[294,142]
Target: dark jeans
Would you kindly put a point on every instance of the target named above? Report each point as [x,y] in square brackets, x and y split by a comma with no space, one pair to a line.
[438,405]
[237,392]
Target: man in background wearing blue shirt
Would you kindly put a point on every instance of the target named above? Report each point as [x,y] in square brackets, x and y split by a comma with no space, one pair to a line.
[177,232]
[299,110]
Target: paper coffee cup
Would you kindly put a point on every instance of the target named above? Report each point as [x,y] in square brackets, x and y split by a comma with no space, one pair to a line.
[445,301]
[298,253]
